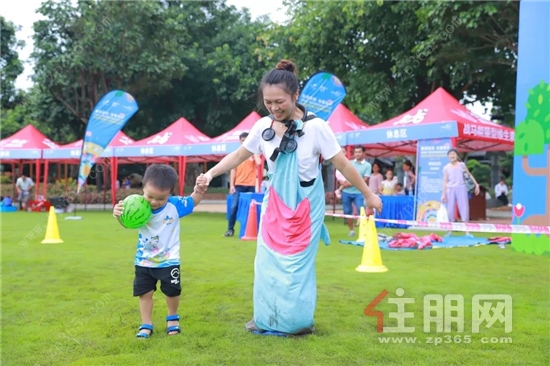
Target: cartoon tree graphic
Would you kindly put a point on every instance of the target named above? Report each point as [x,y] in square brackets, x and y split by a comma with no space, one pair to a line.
[532,135]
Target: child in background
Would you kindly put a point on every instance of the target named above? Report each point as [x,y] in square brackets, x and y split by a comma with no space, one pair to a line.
[158,248]
[387,187]
[399,190]
[410,177]
[339,177]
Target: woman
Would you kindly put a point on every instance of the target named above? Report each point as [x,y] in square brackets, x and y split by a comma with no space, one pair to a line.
[376,178]
[411,177]
[455,192]
[293,210]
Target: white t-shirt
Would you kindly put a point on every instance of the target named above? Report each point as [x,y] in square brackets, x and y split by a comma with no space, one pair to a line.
[388,186]
[24,185]
[500,189]
[318,139]
[159,241]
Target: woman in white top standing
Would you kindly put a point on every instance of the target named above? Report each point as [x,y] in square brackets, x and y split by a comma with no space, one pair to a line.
[293,210]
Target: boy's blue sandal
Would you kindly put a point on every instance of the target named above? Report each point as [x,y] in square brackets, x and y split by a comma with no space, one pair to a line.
[173,328]
[143,334]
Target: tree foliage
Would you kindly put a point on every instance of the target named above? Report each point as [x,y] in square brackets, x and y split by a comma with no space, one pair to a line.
[391,55]
[193,59]
[10,64]
[220,88]
[203,59]
[85,51]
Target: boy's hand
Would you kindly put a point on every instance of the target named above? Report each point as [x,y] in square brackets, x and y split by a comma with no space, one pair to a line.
[118,209]
[201,185]
[200,188]
[201,180]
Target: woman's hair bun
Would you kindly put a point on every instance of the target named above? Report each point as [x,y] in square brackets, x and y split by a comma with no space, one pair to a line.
[286,65]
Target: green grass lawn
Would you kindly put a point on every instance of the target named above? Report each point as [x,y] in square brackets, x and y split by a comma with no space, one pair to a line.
[71,303]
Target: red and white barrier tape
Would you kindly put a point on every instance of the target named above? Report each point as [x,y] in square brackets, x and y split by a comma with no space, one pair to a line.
[460,226]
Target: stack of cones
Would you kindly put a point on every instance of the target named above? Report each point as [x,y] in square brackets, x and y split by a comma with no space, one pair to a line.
[371,262]
[52,230]
[251,232]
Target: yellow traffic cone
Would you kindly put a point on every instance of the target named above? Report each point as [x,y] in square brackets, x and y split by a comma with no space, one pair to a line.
[52,230]
[362,226]
[362,231]
[371,262]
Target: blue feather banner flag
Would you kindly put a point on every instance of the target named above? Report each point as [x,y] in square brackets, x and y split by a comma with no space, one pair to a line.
[108,117]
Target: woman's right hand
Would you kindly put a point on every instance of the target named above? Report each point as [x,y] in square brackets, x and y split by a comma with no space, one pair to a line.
[443,199]
[118,209]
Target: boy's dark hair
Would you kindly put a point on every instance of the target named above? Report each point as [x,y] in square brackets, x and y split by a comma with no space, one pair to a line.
[161,176]
[359,147]
[243,135]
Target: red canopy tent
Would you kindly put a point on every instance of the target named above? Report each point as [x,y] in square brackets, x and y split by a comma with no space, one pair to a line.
[25,146]
[439,114]
[230,141]
[70,154]
[169,144]
[244,126]
[342,121]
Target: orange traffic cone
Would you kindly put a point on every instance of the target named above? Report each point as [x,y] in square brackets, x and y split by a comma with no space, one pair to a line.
[251,232]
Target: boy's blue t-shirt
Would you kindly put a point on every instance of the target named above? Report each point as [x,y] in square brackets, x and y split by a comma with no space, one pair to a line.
[159,241]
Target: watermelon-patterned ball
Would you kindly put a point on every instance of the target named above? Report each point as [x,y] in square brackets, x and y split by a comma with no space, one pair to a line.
[137,212]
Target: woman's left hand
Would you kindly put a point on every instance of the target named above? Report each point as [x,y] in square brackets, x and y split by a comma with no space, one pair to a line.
[477,189]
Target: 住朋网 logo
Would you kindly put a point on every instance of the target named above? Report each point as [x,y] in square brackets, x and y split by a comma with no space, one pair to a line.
[443,312]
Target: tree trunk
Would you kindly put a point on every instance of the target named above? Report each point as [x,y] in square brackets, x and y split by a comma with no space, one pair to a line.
[495,168]
[538,220]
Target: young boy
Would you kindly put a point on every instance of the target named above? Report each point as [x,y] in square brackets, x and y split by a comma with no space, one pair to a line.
[158,249]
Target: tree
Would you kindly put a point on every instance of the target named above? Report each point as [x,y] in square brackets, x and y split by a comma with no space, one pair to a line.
[9,63]
[85,51]
[220,88]
[481,172]
[193,59]
[388,53]
[478,41]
